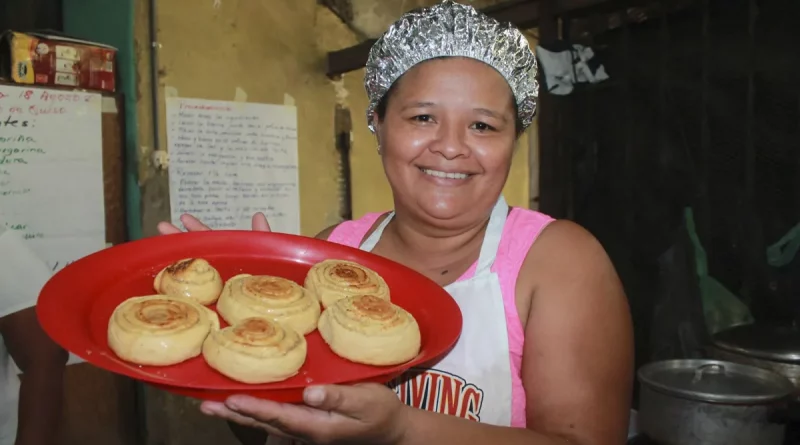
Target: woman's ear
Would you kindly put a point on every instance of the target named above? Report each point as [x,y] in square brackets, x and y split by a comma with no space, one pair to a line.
[377,125]
[376,122]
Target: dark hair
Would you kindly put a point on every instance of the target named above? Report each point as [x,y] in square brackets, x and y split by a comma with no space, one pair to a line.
[380,109]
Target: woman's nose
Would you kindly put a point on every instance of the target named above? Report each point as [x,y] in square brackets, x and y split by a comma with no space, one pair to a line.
[450,142]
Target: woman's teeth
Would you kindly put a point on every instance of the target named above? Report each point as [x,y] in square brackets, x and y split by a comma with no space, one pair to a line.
[439,174]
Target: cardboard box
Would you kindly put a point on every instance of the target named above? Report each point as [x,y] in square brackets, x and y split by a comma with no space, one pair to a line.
[42,59]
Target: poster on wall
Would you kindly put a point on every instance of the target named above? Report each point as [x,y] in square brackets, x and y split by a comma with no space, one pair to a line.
[229,160]
[51,171]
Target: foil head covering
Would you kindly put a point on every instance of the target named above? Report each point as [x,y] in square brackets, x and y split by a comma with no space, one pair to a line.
[450,29]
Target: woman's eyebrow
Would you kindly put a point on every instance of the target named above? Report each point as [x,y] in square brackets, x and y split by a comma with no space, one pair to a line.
[418,104]
[490,113]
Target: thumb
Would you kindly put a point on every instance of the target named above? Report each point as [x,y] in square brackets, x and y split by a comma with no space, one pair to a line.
[260,223]
[351,401]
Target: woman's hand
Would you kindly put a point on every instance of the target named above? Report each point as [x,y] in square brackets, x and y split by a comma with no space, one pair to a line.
[333,414]
[193,224]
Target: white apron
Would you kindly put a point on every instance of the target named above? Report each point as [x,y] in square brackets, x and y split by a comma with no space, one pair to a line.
[474,380]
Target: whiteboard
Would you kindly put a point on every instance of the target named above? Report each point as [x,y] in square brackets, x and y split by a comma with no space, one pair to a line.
[51,171]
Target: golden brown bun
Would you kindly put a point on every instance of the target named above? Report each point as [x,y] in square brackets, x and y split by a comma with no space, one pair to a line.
[332,280]
[256,350]
[278,299]
[159,330]
[191,278]
[370,330]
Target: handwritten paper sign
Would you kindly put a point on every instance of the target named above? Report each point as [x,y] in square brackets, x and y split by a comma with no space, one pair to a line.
[51,171]
[229,160]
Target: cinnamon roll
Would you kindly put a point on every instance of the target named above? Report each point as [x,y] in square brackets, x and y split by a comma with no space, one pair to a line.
[256,350]
[278,299]
[159,330]
[332,280]
[191,278]
[370,330]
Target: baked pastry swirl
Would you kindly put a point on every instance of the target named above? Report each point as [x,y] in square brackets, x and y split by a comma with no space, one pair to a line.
[278,299]
[159,330]
[256,350]
[332,280]
[191,278]
[370,330]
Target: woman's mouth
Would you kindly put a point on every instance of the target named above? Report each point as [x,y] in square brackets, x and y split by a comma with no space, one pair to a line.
[445,175]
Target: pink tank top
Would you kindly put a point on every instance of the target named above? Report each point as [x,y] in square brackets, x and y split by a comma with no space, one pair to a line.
[519,233]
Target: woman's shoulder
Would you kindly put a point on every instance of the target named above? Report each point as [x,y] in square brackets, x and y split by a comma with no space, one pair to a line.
[325,233]
[521,219]
[521,230]
[353,230]
[534,224]
[540,242]
[564,243]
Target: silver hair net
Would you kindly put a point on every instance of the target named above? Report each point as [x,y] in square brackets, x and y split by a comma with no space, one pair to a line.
[451,29]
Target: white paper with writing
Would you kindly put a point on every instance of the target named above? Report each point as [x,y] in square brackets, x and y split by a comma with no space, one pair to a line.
[229,160]
[51,171]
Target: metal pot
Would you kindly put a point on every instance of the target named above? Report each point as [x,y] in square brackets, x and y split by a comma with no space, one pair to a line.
[773,347]
[710,402]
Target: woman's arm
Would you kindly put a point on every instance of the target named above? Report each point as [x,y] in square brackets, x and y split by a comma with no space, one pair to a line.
[577,366]
[578,358]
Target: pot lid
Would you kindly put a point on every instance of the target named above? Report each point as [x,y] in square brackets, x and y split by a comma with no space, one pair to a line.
[765,341]
[715,381]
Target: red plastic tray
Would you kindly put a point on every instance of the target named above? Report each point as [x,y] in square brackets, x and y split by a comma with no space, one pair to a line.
[75,305]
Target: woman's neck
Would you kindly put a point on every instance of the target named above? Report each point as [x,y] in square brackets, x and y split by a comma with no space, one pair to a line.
[441,254]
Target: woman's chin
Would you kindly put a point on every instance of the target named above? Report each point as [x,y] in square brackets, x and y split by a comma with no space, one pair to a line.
[445,211]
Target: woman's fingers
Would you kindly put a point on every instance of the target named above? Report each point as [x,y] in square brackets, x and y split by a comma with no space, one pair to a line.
[166,228]
[218,409]
[260,223]
[193,224]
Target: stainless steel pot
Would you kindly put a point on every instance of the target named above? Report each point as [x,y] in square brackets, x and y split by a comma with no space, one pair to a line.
[711,402]
[766,346]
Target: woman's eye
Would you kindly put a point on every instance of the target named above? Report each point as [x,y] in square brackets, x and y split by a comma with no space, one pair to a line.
[423,118]
[481,126]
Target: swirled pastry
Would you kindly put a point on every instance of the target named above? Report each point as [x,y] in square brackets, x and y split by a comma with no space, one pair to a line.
[159,330]
[370,330]
[278,299]
[191,278]
[332,280]
[256,350]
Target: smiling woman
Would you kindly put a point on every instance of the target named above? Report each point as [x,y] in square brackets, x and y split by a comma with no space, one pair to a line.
[545,355]
[447,138]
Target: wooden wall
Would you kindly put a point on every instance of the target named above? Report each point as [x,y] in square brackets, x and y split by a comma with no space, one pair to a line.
[701,111]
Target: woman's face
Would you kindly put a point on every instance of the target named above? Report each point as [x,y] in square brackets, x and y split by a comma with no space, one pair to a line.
[447,138]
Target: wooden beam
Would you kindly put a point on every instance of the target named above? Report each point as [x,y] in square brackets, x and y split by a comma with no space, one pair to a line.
[341,8]
[585,26]
[349,59]
[523,14]
[552,181]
